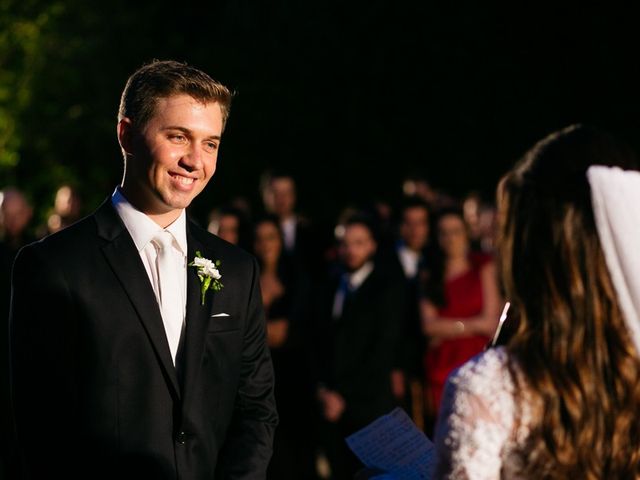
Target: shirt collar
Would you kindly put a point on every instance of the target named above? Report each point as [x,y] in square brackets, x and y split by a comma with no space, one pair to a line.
[142,229]
[357,278]
[409,260]
[289,222]
[407,252]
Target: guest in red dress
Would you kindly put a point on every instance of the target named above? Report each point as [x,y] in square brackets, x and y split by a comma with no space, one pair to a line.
[461,307]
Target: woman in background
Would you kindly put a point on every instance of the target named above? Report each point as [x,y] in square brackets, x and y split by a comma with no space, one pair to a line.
[462,304]
[561,399]
[285,295]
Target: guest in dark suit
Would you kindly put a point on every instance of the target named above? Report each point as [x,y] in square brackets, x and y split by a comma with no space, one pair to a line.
[124,365]
[356,339]
[409,258]
[302,239]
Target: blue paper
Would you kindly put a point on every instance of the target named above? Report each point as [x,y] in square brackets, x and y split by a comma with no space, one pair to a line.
[394,444]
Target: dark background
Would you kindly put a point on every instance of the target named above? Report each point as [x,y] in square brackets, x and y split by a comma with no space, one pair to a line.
[349,96]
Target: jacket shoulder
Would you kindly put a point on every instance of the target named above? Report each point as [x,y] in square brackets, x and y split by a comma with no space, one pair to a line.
[68,240]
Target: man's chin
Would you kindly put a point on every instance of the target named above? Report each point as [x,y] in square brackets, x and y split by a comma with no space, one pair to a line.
[178,201]
[354,267]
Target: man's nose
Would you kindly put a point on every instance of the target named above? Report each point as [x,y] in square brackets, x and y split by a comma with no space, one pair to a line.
[192,159]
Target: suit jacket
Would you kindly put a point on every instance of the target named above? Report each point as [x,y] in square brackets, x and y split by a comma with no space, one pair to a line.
[355,353]
[95,392]
[411,343]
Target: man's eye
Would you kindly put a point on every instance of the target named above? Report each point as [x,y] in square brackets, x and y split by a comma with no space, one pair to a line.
[178,138]
[211,146]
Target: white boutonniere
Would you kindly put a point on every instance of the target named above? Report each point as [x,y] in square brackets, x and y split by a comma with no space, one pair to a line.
[208,273]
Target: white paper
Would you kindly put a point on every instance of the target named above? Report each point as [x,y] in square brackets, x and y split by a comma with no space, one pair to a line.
[394,444]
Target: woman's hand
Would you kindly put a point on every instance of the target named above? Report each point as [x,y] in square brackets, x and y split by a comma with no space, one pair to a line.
[332,403]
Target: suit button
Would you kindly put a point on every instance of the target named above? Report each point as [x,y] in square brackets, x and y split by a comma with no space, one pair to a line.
[181,438]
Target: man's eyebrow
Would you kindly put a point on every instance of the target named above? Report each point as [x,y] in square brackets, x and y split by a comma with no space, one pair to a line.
[186,130]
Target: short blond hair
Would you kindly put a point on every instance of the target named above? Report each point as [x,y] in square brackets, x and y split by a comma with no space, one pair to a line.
[165,78]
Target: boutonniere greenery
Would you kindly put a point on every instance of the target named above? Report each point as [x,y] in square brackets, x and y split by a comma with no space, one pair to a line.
[208,273]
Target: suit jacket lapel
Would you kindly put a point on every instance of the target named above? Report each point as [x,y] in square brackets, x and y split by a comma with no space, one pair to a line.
[197,318]
[122,255]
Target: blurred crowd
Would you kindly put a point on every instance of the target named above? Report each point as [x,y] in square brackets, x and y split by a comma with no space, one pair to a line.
[364,315]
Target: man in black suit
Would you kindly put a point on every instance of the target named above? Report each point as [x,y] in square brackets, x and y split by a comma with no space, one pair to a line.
[124,363]
[356,341]
[409,259]
[302,240]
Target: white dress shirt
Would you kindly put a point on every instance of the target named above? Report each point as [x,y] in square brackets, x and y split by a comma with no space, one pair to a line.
[357,278]
[409,260]
[289,233]
[353,282]
[142,230]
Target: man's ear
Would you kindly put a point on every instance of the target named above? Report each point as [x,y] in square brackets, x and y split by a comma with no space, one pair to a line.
[126,133]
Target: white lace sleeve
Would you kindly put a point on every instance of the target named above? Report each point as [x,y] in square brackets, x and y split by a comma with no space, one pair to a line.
[476,420]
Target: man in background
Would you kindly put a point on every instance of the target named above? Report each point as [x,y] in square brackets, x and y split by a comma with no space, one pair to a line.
[301,239]
[409,260]
[357,333]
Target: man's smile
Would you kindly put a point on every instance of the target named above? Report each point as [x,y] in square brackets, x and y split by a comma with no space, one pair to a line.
[182,179]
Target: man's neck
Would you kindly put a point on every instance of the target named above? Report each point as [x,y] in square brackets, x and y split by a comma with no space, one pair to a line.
[412,248]
[288,217]
[358,276]
[162,218]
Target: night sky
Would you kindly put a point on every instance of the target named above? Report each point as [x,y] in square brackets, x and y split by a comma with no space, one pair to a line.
[352,96]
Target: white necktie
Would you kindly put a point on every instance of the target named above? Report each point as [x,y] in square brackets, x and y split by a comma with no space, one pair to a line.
[170,298]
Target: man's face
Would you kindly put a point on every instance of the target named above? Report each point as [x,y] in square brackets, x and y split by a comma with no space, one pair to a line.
[282,193]
[357,246]
[66,203]
[229,228]
[414,229]
[174,156]
[15,214]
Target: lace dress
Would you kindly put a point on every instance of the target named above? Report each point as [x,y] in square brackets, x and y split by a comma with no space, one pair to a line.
[478,436]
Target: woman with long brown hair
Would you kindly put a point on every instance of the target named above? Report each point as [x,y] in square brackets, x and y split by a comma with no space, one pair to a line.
[561,398]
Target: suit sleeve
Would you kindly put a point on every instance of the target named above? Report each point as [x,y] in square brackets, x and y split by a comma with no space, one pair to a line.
[249,443]
[42,347]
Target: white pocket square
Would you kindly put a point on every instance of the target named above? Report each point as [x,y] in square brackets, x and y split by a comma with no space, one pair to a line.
[219,315]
